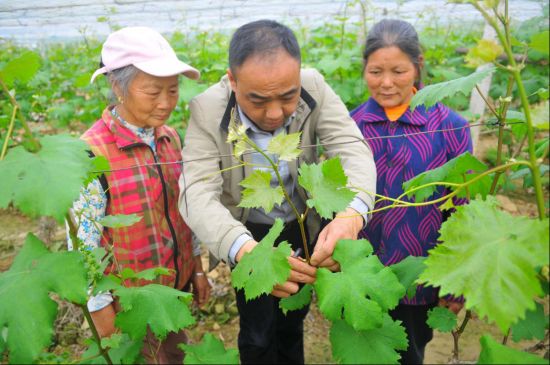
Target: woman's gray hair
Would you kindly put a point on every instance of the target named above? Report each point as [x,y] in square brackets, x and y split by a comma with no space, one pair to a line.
[121,77]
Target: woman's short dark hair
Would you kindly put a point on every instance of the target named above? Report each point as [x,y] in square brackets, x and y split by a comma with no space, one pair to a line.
[398,33]
[261,37]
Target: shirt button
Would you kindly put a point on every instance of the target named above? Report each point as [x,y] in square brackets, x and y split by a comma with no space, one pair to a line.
[393,125]
[390,164]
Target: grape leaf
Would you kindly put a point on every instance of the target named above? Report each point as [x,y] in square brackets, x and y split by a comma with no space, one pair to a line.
[539,42]
[113,282]
[237,133]
[485,51]
[106,283]
[285,146]
[344,294]
[258,192]
[189,89]
[532,326]
[147,274]
[374,346]
[541,147]
[61,166]
[99,165]
[493,352]
[491,4]
[26,309]
[407,271]
[262,268]
[453,171]
[2,344]
[490,257]
[240,148]
[540,115]
[209,351]
[326,183]
[119,220]
[122,350]
[447,205]
[162,308]
[298,300]
[441,319]
[513,116]
[431,94]
[22,68]
[543,93]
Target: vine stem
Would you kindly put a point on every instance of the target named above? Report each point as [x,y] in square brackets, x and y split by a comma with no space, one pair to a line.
[515,71]
[489,105]
[73,230]
[85,360]
[35,145]
[398,203]
[8,135]
[520,147]
[505,338]
[501,125]
[458,333]
[103,351]
[299,217]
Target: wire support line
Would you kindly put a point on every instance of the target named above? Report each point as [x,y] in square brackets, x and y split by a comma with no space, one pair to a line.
[495,124]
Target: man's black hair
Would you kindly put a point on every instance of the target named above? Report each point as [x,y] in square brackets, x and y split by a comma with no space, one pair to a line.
[261,37]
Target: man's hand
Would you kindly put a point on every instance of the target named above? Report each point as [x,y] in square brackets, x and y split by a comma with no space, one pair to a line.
[247,247]
[300,272]
[346,225]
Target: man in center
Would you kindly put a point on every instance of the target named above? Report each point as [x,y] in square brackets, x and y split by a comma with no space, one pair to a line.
[268,92]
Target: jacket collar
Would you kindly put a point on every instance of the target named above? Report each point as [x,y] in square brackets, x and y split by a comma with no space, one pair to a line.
[372,112]
[124,137]
[306,100]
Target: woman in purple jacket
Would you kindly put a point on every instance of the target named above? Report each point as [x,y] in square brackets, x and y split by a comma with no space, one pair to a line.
[393,63]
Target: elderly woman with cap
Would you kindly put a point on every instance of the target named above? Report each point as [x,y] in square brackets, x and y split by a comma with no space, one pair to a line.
[143,71]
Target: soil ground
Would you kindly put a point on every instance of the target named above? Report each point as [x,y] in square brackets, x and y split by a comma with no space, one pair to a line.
[220,315]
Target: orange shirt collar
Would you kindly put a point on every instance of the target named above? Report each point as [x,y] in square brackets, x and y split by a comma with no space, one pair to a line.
[395,112]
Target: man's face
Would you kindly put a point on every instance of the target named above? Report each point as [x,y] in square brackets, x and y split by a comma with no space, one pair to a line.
[267,88]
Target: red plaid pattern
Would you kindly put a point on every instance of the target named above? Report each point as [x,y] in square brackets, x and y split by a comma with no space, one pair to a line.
[139,190]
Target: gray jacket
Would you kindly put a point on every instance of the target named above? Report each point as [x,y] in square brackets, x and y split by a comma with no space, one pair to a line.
[208,199]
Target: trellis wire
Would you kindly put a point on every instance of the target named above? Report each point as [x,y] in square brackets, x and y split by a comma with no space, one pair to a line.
[310,146]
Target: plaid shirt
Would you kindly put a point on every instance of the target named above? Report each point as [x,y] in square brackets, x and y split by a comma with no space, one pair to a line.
[149,191]
[401,232]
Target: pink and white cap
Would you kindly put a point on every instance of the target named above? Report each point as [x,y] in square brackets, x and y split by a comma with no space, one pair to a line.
[144,48]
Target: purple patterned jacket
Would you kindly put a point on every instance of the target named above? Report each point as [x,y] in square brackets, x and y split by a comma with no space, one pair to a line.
[401,232]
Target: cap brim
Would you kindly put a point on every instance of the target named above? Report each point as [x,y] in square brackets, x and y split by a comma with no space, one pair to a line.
[98,72]
[168,67]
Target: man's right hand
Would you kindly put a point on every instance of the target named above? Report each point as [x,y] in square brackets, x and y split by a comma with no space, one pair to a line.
[300,272]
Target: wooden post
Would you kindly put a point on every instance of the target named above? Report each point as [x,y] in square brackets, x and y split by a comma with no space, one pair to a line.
[477,105]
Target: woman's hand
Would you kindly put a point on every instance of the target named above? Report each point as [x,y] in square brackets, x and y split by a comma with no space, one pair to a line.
[453,306]
[104,320]
[201,286]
